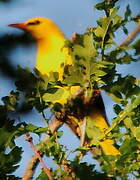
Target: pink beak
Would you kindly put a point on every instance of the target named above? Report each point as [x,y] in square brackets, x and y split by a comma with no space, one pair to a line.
[20,26]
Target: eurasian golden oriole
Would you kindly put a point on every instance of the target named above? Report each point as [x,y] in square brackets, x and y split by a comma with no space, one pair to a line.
[51,54]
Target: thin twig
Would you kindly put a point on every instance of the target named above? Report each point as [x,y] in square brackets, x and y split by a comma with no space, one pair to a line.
[83,131]
[29,172]
[130,37]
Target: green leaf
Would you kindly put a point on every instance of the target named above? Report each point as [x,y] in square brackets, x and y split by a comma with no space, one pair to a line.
[92,132]
[43,82]
[74,77]
[106,28]
[26,80]
[127,13]
[109,165]
[116,96]
[125,30]
[106,24]
[8,163]
[136,46]
[128,122]
[53,76]
[117,108]
[42,176]
[52,148]
[136,132]
[137,19]
[100,6]
[87,50]
[84,55]
[129,145]
[31,128]
[106,5]
[8,132]
[11,100]
[84,171]
[124,114]
[124,87]
[53,97]
[135,103]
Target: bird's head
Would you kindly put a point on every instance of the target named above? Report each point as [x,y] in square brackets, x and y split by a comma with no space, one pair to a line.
[39,27]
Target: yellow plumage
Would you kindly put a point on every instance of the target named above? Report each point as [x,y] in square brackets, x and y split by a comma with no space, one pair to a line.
[51,57]
[51,54]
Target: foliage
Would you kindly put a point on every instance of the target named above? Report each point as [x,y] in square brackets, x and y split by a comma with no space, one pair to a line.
[95,58]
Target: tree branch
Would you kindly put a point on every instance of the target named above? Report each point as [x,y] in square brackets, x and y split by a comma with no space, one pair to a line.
[130,37]
[39,155]
[29,172]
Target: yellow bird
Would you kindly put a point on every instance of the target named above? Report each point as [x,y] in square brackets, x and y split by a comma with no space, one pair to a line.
[51,56]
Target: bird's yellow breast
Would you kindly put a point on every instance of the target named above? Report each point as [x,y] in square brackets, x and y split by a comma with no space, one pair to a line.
[52,55]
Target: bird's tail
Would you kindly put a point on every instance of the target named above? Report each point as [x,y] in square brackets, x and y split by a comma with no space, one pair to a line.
[93,112]
[108,147]
[99,120]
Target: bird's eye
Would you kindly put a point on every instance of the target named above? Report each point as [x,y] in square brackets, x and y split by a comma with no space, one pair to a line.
[34,22]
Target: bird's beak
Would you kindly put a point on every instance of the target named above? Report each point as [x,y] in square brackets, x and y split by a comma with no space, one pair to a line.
[20,26]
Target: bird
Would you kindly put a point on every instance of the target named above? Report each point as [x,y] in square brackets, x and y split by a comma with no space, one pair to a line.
[52,56]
